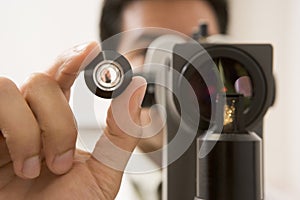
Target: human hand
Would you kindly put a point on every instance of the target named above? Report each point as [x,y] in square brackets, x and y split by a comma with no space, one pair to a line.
[38,157]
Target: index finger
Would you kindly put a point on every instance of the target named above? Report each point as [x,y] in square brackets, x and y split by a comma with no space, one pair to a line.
[69,64]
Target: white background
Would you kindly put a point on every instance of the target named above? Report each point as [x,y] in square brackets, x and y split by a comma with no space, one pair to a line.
[34,32]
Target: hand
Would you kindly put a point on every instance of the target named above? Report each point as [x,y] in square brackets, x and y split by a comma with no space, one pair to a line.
[38,159]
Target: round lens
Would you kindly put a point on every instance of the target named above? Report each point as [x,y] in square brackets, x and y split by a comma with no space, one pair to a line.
[108,76]
[236,80]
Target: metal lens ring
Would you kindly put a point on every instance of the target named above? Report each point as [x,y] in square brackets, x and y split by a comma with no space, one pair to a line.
[108,75]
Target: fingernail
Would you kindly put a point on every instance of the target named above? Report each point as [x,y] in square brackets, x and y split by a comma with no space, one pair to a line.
[143,88]
[62,163]
[140,99]
[81,47]
[90,57]
[92,49]
[32,167]
[75,122]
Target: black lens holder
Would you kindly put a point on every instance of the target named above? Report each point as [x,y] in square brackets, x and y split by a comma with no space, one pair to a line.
[248,55]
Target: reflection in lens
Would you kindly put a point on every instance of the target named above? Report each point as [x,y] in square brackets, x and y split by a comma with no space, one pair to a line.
[107,76]
[236,80]
[243,86]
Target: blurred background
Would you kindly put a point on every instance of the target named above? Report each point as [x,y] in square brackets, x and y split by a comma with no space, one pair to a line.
[33,33]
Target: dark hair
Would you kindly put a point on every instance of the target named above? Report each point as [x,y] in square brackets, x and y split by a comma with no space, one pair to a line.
[110,23]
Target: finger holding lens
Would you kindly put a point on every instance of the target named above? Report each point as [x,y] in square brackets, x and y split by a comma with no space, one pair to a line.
[20,130]
[55,118]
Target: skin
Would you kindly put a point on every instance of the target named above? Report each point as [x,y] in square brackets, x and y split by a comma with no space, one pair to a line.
[37,124]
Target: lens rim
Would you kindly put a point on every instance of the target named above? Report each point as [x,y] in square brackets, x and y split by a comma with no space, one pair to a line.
[203,64]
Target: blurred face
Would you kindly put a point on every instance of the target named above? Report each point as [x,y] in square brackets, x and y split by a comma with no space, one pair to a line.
[182,16]
[179,15]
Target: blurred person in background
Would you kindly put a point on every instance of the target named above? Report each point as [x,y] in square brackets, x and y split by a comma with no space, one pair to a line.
[38,157]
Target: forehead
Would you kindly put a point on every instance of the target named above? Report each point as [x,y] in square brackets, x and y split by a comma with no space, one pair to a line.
[178,15]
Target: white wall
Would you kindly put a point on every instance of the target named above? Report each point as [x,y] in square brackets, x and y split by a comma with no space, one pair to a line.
[277,22]
[33,32]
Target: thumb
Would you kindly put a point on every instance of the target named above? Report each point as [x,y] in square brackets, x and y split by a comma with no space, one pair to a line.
[120,137]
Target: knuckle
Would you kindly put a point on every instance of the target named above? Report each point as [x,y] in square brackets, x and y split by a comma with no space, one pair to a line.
[36,82]
[6,85]
[60,140]
[37,79]
[70,130]
[55,132]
